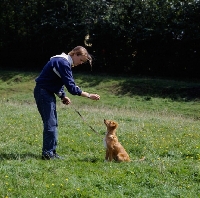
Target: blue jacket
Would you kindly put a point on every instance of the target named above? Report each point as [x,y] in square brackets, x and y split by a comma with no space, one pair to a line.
[56,74]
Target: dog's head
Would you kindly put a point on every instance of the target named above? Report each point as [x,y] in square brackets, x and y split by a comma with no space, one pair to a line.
[110,124]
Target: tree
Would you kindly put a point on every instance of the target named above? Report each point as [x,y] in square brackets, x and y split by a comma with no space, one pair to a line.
[132,36]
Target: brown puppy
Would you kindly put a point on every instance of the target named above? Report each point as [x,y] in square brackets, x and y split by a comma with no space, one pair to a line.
[114,150]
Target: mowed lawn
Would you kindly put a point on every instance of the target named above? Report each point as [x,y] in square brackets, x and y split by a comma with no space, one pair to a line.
[159,120]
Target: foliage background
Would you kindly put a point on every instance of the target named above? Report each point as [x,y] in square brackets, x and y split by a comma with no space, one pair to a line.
[154,37]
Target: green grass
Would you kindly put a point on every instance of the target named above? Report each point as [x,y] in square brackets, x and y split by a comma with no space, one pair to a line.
[158,119]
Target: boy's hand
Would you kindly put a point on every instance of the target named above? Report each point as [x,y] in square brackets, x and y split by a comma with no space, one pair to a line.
[66,100]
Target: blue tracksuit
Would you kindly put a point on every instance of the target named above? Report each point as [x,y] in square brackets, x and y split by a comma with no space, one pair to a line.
[55,75]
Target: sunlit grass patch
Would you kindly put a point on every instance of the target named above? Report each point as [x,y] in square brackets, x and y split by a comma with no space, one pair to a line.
[162,132]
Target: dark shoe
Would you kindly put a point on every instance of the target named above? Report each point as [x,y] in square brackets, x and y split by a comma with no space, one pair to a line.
[51,157]
[47,157]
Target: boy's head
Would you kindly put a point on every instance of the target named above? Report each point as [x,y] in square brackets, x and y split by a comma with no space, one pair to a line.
[80,55]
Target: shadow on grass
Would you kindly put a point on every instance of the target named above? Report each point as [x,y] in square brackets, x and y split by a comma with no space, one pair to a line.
[175,89]
[18,156]
[161,88]
[147,87]
[90,159]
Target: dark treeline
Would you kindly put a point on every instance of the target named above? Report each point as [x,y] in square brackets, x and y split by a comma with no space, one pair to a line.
[147,37]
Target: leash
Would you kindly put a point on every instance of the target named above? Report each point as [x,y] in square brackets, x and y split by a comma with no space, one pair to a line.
[85,121]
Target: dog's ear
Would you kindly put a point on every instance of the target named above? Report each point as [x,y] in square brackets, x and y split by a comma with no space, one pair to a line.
[113,124]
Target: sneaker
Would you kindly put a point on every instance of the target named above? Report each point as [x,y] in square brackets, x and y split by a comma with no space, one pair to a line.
[51,157]
[47,157]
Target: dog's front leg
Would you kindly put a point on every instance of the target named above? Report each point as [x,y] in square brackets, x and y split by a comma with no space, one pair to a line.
[107,155]
[110,156]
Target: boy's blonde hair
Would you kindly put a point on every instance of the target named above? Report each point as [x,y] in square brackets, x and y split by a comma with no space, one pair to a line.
[79,50]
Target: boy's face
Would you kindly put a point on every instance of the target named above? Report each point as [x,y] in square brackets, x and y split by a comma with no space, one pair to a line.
[79,59]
